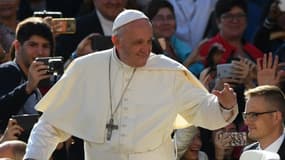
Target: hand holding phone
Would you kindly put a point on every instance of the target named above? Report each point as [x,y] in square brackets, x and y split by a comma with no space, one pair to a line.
[224,70]
[26,121]
[237,138]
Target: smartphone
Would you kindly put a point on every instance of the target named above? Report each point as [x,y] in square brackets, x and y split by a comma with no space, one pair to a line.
[67,25]
[224,70]
[26,121]
[282,5]
[237,138]
[101,43]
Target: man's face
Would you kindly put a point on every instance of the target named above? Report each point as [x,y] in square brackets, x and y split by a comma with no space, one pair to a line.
[36,46]
[260,127]
[134,43]
[110,8]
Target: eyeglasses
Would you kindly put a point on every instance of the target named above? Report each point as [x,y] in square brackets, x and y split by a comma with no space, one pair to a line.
[254,115]
[231,17]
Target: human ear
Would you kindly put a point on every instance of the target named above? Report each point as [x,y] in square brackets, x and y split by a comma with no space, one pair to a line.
[116,41]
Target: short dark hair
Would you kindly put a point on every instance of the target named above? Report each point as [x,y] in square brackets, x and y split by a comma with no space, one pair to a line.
[223,6]
[34,26]
[155,5]
[272,94]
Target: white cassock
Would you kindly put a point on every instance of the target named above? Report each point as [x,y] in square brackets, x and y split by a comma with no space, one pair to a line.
[79,105]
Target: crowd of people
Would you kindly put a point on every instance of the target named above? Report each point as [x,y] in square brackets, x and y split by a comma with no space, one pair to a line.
[142,79]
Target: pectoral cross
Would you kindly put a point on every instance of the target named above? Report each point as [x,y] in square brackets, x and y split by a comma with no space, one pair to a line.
[110,127]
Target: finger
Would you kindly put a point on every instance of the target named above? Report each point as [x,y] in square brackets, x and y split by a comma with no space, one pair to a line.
[227,87]
[270,60]
[258,66]
[275,63]
[264,61]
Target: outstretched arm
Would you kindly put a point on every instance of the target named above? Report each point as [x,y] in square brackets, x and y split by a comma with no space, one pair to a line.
[43,140]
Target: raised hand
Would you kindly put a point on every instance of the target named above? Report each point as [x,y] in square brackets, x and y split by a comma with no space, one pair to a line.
[267,73]
[227,96]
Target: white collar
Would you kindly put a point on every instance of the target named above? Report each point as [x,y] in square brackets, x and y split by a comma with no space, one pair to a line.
[274,147]
[105,23]
[118,62]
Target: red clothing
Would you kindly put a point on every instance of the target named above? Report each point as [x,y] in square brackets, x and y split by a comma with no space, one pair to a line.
[250,49]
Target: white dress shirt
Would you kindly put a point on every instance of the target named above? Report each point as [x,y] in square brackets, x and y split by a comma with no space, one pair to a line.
[274,147]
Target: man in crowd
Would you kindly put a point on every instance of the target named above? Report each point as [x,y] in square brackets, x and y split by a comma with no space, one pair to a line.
[130,97]
[20,78]
[264,116]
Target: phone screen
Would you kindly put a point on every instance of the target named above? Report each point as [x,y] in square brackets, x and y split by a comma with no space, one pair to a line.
[66,25]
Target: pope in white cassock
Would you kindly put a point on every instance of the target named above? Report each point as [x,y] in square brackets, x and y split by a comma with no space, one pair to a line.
[123,102]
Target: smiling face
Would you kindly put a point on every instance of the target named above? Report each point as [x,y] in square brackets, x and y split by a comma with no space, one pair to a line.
[232,24]
[261,127]
[164,23]
[194,147]
[36,46]
[134,42]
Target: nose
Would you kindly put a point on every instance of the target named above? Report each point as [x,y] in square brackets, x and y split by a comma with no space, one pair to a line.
[41,50]
[146,48]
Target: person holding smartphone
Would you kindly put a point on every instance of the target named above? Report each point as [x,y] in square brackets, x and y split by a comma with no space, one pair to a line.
[20,78]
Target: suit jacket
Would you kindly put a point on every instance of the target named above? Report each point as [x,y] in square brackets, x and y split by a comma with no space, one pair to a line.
[85,25]
[281,150]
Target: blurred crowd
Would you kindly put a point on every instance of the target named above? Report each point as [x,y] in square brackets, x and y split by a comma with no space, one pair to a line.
[239,42]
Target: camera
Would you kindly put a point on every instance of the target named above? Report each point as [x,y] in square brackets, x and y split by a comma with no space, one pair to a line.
[55,64]
[55,69]
[237,138]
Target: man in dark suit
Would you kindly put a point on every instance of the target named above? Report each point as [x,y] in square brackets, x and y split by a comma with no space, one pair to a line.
[264,116]
[99,21]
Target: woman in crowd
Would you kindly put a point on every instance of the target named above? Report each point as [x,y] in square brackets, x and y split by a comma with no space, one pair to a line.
[161,14]
[188,143]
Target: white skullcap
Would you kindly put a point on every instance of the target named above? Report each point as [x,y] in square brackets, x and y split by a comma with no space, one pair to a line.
[259,155]
[127,16]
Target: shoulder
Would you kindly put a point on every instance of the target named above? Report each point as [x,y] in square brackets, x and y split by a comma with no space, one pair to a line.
[162,62]
[93,58]
[9,67]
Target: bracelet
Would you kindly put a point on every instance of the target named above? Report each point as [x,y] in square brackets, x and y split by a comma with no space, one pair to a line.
[224,109]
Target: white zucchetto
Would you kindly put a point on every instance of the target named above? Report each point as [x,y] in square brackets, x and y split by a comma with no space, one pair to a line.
[127,16]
